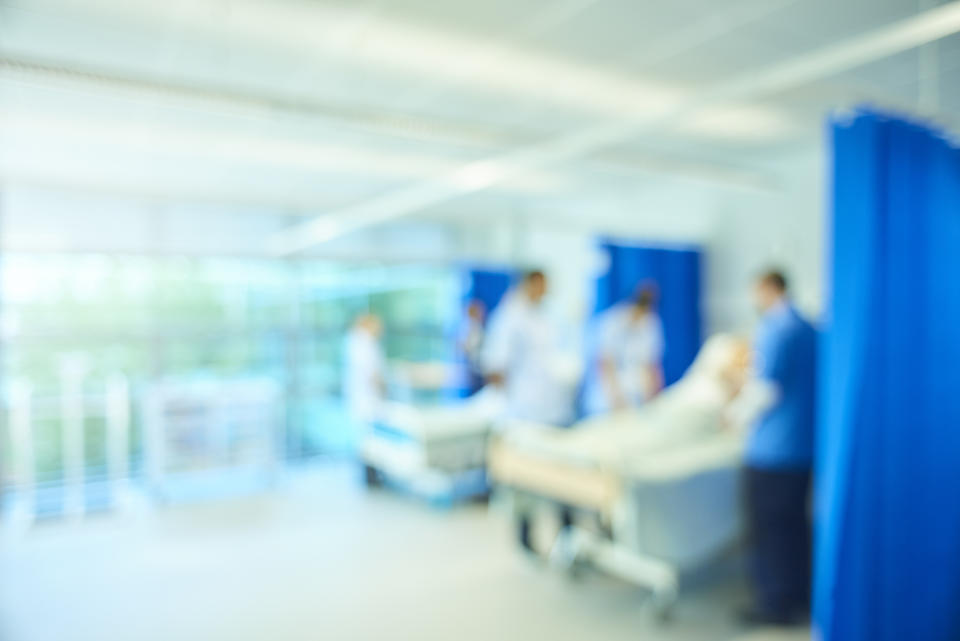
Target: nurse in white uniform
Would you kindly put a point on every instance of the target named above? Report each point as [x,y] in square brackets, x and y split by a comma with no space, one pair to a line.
[523,355]
[364,372]
[629,362]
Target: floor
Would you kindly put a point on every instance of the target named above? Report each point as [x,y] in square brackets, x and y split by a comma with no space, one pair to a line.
[322,559]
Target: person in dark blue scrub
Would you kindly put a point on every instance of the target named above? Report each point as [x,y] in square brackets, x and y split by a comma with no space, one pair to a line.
[779,458]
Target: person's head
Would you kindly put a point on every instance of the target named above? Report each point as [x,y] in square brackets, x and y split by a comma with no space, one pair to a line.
[534,285]
[476,310]
[370,323]
[770,289]
[644,300]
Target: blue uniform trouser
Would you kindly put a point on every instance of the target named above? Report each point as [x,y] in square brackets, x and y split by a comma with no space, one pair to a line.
[779,536]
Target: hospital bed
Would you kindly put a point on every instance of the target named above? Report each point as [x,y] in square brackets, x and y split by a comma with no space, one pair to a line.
[662,478]
[436,451]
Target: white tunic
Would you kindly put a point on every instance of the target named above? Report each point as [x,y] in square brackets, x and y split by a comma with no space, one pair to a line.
[524,346]
[633,346]
[364,369]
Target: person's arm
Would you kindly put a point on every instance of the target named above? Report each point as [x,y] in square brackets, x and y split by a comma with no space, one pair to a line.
[655,368]
[609,342]
[378,369]
[763,389]
[496,350]
[655,375]
[610,381]
[755,398]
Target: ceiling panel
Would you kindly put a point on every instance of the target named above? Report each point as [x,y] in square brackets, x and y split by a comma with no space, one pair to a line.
[424,84]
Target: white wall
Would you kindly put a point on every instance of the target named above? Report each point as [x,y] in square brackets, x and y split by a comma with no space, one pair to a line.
[36,220]
[741,231]
[50,221]
[783,229]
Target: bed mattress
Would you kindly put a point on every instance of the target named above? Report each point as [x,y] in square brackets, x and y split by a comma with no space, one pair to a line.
[446,437]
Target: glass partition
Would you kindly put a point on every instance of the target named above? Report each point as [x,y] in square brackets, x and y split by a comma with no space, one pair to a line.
[147,319]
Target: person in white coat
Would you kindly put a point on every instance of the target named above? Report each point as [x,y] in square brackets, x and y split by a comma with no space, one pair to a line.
[364,373]
[523,355]
[628,368]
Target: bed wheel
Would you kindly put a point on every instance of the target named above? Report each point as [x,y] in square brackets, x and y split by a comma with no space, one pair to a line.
[483,498]
[662,608]
[663,614]
[576,571]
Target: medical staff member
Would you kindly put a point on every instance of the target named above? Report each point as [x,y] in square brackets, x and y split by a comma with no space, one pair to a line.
[629,367]
[364,376]
[779,457]
[471,344]
[522,354]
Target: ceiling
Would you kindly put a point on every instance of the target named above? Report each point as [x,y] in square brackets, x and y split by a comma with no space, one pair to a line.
[308,107]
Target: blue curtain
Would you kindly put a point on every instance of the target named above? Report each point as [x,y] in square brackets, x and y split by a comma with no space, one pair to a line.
[676,274]
[888,472]
[487,285]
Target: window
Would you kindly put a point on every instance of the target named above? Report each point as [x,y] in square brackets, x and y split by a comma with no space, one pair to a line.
[183,319]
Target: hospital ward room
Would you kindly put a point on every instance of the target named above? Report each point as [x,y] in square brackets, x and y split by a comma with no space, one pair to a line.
[437,320]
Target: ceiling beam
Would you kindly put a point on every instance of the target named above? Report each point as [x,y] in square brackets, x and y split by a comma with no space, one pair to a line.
[904,35]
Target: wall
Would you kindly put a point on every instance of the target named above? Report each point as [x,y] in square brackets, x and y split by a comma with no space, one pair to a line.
[742,230]
[783,229]
[51,221]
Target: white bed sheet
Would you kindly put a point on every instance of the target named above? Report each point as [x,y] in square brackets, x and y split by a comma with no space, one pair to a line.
[679,465]
[684,503]
[686,413]
[423,422]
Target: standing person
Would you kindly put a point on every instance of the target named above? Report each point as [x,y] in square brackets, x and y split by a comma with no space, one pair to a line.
[471,344]
[522,353]
[629,362]
[779,457]
[364,376]
[521,356]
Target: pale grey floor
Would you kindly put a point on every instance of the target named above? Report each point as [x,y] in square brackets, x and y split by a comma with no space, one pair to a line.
[319,560]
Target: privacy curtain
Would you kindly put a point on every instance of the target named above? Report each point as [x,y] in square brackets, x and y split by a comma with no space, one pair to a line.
[888,477]
[675,272]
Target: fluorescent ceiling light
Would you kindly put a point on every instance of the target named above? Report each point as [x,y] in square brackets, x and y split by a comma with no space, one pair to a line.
[478,175]
[741,123]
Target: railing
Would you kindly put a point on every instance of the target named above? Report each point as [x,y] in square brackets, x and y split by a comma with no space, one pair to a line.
[79,443]
[74,408]
[121,477]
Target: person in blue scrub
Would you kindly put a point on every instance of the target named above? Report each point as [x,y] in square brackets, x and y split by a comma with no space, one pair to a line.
[779,458]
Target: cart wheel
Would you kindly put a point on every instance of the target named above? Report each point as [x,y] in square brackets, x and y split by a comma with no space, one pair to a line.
[371,477]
